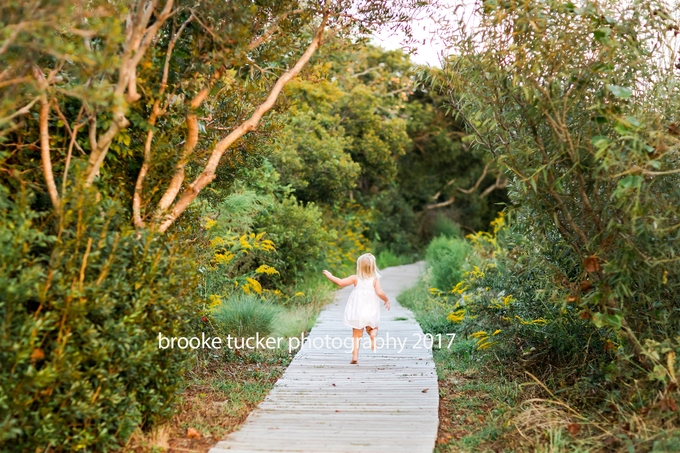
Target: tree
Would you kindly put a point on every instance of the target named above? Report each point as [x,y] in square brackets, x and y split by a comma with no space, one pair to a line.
[580,105]
[172,84]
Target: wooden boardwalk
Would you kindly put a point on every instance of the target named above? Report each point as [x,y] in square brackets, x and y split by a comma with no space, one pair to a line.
[386,403]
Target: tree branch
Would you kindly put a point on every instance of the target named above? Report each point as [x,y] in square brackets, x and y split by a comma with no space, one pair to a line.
[139,39]
[256,42]
[479,181]
[500,183]
[45,140]
[442,204]
[155,113]
[22,111]
[208,174]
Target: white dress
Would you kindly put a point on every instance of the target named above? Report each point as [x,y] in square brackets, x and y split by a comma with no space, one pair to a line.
[363,307]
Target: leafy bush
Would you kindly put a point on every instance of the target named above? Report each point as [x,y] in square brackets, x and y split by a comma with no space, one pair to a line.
[447,260]
[80,312]
[395,225]
[444,226]
[386,258]
[347,225]
[588,131]
[430,312]
[245,315]
[298,233]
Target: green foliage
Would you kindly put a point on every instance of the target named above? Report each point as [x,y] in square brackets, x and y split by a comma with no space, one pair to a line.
[245,315]
[430,312]
[81,310]
[386,258]
[448,261]
[444,226]
[298,233]
[510,303]
[395,223]
[585,125]
[371,133]
[311,153]
[441,168]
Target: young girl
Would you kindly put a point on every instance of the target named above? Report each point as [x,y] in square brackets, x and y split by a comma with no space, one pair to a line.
[363,309]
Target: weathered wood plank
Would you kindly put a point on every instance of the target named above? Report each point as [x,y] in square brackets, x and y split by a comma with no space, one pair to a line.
[387,403]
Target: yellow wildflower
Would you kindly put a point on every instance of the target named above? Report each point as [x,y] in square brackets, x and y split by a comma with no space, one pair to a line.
[486,345]
[540,321]
[215,300]
[224,258]
[456,316]
[265,269]
[459,288]
[255,285]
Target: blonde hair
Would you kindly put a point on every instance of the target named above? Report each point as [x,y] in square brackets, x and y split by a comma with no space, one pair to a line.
[366,266]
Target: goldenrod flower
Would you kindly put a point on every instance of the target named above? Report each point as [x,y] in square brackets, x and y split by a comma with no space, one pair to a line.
[265,269]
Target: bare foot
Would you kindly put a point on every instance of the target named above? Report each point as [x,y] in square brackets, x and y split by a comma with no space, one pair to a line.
[353,362]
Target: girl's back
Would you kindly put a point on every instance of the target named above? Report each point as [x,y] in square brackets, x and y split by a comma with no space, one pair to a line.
[365,284]
[363,308]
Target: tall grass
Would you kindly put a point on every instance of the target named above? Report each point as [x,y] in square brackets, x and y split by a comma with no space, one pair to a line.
[430,314]
[443,226]
[387,258]
[245,315]
[447,260]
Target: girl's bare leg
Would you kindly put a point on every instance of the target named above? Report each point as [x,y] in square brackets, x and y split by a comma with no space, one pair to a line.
[372,332]
[356,340]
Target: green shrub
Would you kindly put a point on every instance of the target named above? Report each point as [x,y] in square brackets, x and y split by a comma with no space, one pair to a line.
[588,132]
[444,226]
[298,233]
[394,226]
[429,312]
[387,258]
[245,315]
[80,313]
[447,260]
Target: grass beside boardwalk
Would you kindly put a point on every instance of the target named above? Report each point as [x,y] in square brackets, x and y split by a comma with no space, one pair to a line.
[474,401]
[220,393]
[225,386]
[484,409]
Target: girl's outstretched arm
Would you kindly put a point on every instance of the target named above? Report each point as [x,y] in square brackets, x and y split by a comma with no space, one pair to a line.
[381,294]
[342,282]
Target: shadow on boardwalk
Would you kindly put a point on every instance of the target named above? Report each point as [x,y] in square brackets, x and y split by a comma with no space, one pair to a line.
[386,403]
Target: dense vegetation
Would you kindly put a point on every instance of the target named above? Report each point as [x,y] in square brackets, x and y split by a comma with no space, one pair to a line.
[166,171]
[575,291]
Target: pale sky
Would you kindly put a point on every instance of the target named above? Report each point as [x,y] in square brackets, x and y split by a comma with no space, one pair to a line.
[430,46]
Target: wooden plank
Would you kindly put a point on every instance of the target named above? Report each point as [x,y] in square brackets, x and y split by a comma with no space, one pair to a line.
[387,403]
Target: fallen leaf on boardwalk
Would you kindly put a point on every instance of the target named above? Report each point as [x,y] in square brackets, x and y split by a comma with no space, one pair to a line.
[425,390]
[573,428]
[193,433]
